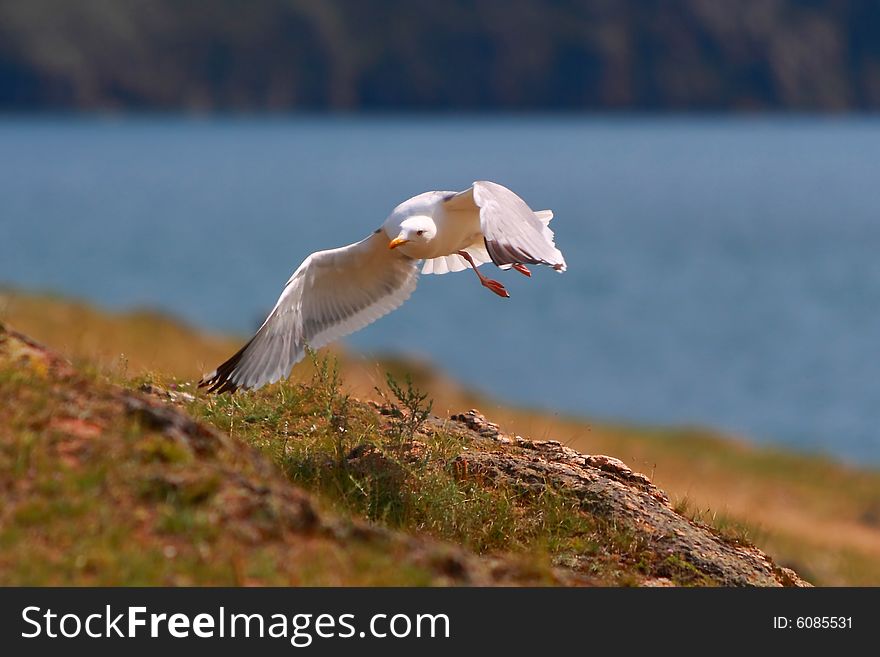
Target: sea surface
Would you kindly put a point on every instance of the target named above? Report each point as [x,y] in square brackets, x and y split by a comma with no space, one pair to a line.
[722,272]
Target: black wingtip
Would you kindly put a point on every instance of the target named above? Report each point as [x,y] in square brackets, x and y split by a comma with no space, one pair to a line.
[218,385]
[220,381]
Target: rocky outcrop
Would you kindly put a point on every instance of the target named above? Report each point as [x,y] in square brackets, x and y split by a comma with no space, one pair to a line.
[608,489]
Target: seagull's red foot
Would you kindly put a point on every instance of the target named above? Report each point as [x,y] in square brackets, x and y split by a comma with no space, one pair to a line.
[522,269]
[496,287]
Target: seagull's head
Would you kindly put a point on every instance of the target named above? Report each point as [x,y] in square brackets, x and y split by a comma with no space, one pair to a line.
[414,231]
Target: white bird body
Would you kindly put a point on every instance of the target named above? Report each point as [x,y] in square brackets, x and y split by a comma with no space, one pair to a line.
[339,291]
[453,230]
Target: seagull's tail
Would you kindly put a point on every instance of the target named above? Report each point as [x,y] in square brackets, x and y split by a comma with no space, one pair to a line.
[544,216]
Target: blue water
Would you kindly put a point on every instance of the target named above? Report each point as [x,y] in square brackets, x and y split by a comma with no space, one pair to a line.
[721,272]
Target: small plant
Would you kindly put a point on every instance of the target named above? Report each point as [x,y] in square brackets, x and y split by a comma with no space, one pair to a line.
[122,366]
[334,405]
[326,382]
[724,525]
[410,410]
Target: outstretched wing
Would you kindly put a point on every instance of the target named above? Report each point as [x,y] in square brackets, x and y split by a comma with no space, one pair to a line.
[331,294]
[513,233]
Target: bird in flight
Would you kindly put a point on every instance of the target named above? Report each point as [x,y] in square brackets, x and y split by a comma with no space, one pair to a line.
[339,291]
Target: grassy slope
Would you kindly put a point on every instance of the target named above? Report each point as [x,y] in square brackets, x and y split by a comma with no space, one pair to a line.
[93,496]
[104,484]
[820,517]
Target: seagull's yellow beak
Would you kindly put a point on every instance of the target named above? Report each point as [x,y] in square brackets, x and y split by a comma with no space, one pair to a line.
[397,241]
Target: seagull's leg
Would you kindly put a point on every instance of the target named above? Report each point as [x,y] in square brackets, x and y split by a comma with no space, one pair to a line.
[495,286]
[522,269]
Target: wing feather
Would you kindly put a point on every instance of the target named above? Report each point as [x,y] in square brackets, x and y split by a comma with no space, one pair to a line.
[454,262]
[331,294]
[513,232]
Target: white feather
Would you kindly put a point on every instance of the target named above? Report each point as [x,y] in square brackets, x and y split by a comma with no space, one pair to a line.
[331,294]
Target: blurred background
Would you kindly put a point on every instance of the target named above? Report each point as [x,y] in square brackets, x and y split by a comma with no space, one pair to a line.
[713,168]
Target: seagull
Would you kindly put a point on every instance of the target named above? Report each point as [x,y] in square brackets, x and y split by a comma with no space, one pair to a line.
[339,291]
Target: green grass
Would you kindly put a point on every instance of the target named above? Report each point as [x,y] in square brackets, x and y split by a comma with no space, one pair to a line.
[92,496]
[391,471]
[730,528]
[326,443]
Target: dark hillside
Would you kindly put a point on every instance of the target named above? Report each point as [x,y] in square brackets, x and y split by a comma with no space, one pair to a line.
[283,55]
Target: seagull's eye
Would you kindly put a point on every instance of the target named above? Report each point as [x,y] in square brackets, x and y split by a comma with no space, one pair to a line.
[420,233]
